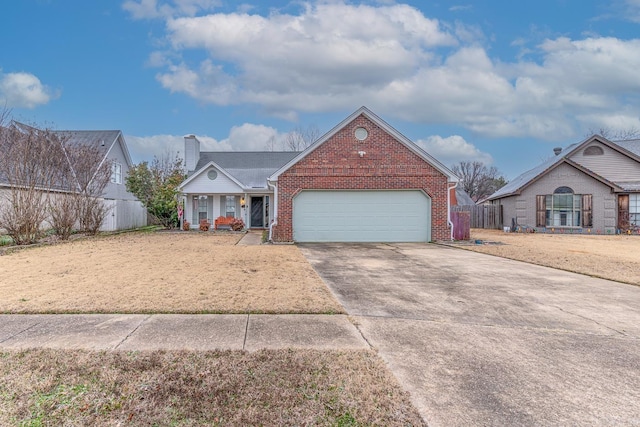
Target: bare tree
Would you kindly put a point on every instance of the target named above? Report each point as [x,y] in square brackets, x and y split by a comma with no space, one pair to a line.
[28,165]
[299,139]
[49,180]
[616,134]
[92,173]
[478,180]
[271,143]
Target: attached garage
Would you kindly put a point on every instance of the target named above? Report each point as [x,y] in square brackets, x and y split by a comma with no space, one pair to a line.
[362,216]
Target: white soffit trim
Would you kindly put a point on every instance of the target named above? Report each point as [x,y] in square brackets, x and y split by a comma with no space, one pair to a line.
[207,166]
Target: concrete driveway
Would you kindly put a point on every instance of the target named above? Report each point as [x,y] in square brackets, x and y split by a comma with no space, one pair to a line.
[481,340]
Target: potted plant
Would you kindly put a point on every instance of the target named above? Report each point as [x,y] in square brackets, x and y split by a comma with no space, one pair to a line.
[237,224]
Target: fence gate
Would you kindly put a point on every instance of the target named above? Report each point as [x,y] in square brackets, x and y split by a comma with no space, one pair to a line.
[482,216]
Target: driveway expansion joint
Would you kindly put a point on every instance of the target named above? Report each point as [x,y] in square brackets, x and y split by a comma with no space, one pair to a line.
[504,327]
[132,332]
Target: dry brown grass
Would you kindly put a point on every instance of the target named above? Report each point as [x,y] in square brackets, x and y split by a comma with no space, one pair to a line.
[162,272]
[284,387]
[614,257]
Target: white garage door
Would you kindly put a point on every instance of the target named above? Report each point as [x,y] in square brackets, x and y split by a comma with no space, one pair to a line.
[362,216]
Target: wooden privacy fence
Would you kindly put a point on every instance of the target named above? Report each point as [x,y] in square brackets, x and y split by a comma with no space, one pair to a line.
[461,225]
[482,216]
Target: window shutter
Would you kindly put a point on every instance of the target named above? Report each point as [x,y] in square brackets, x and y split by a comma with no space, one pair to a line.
[223,206]
[237,206]
[541,211]
[587,212]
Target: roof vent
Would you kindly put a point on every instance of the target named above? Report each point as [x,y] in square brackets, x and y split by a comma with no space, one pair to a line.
[102,143]
[557,150]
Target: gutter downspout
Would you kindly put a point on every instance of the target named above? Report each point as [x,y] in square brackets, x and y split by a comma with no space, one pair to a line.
[274,221]
[455,184]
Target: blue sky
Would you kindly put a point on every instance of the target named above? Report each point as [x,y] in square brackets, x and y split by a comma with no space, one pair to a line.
[499,81]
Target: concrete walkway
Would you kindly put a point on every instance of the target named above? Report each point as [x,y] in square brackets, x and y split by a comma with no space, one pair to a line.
[179,332]
[251,238]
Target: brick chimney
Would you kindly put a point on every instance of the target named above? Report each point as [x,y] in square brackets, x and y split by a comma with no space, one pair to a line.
[191,152]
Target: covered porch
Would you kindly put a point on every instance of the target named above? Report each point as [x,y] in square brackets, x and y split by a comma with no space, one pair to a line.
[255,209]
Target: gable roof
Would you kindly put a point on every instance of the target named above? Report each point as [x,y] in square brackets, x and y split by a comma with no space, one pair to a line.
[519,183]
[249,169]
[383,125]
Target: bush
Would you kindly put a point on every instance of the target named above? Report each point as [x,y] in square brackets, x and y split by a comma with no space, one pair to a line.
[186,226]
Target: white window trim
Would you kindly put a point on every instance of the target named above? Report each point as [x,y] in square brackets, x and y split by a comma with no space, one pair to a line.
[116,173]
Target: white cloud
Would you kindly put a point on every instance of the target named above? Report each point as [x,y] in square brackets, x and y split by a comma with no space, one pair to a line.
[246,137]
[399,63]
[24,90]
[151,9]
[631,10]
[453,149]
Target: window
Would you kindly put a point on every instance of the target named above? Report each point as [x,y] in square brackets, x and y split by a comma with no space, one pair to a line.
[230,206]
[200,208]
[593,150]
[563,208]
[116,173]
[634,209]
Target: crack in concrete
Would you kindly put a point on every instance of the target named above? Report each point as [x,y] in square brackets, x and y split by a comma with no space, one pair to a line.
[21,332]
[246,331]
[357,326]
[591,320]
[132,332]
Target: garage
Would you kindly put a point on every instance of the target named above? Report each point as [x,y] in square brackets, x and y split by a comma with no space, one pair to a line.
[362,216]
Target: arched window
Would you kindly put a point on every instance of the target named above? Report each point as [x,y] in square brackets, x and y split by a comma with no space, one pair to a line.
[563,190]
[563,208]
[593,150]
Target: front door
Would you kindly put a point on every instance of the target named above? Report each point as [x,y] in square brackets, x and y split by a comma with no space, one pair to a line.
[257,212]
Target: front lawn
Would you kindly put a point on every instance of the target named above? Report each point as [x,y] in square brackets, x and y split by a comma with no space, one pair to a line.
[613,257]
[162,272]
[283,387]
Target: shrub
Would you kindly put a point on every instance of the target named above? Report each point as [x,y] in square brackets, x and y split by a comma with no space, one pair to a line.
[186,226]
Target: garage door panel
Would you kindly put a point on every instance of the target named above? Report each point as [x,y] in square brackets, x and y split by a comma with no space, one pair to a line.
[362,216]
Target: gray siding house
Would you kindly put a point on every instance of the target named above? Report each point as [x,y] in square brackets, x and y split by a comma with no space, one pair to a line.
[589,187]
[125,210]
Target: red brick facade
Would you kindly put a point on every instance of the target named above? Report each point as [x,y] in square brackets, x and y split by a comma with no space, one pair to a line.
[387,165]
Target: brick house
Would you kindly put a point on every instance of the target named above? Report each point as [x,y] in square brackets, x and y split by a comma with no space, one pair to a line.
[361,181]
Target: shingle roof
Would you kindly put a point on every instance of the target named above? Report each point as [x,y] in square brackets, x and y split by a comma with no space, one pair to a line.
[632,145]
[102,139]
[251,168]
[463,198]
[523,179]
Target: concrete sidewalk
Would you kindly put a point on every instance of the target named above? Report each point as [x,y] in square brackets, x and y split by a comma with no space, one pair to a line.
[179,332]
